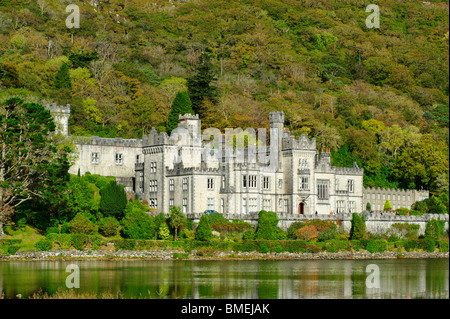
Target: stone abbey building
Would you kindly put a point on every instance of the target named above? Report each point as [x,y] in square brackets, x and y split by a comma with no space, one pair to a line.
[208,171]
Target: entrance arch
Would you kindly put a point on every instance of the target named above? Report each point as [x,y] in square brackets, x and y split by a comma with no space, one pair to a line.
[301,208]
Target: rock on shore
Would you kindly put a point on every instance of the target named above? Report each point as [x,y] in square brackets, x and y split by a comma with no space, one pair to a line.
[193,255]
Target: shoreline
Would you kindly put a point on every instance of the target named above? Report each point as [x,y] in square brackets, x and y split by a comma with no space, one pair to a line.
[148,255]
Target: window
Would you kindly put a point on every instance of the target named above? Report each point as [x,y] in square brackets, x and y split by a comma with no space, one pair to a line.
[153,203]
[280,203]
[141,182]
[210,183]
[185,205]
[351,185]
[340,206]
[119,159]
[286,205]
[244,205]
[152,167]
[280,183]
[138,158]
[384,196]
[252,181]
[210,202]
[95,158]
[389,196]
[244,181]
[303,183]
[185,184]
[266,182]
[393,197]
[223,181]
[409,198]
[222,206]
[373,196]
[267,204]
[322,189]
[171,202]
[153,186]
[171,185]
[352,206]
[379,196]
[252,204]
[303,163]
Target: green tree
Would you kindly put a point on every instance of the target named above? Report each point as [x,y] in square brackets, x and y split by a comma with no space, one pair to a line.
[368,207]
[81,224]
[267,225]
[434,229]
[176,219]
[181,105]
[203,231]
[80,197]
[32,164]
[358,229]
[108,226]
[164,232]
[200,86]
[387,205]
[62,78]
[137,224]
[113,200]
[9,76]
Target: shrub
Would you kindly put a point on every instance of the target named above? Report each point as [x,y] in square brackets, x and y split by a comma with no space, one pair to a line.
[428,244]
[62,241]
[127,244]
[411,245]
[308,233]
[80,224]
[249,234]
[376,246]
[443,245]
[12,249]
[138,225]
[189,234]
[267,225]
[22,222]
[203,231]
[293,228]
[79,241]
[52,230]
[164,232]
[43,245]
[108,226]
[358,227]
[434,229]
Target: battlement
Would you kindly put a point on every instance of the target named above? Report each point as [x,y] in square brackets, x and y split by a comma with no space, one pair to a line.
[155,138]
[103,141]
[394,190]
[54,108]
[276,117]
[179,169]
[188,116]
[354,170]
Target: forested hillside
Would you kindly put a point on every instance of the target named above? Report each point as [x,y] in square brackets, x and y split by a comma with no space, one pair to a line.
[379,97]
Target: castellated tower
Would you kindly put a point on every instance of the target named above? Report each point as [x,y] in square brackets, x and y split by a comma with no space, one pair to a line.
[276,120]
[61,116]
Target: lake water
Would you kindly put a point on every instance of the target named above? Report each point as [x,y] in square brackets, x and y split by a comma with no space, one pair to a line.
[234,279]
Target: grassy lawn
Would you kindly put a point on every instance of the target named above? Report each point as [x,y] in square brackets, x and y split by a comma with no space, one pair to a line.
[28,235]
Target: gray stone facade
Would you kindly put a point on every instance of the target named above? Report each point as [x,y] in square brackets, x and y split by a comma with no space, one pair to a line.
[204,171]
[397,197]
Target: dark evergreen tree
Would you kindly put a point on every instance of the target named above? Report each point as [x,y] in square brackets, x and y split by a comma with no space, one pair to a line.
[358,229]
[113,200]
[203,231]
[62,78]
[267,225]
[180,105]
[200,85]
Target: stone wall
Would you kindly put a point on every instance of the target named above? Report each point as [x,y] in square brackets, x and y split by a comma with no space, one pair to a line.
[375,223]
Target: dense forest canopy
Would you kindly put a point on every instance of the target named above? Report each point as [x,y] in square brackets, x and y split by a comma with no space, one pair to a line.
[379,97]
